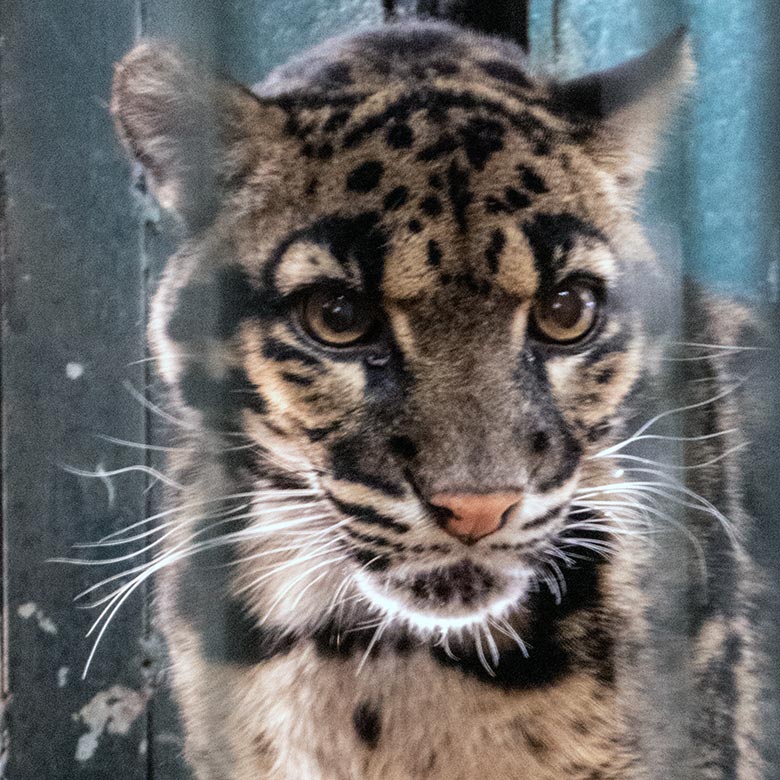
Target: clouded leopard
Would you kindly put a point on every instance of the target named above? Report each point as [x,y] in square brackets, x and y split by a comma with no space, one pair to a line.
[414,339]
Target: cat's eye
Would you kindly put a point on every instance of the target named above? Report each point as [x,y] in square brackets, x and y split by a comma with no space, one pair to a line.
[568,313]
[337,318]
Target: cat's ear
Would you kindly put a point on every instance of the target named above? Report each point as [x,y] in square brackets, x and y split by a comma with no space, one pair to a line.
[194,134]
[624,111]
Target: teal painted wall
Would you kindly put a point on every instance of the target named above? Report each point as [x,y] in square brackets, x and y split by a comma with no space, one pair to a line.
[716,196]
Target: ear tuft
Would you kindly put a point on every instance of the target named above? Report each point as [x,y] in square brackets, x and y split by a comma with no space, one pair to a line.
[625,110]
[187,128]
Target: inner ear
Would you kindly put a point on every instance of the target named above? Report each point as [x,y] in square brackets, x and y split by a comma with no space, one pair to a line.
[193,133]
[624,111]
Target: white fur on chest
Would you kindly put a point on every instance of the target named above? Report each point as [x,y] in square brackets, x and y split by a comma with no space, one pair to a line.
[433,722]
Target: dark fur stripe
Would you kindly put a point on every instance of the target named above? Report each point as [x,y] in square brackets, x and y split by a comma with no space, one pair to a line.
[365,514]
[278,350]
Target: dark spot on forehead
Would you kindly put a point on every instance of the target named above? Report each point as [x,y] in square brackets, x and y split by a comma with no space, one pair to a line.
[396,198]
[336,121]
[365,177]
[431,206]
[481,139]
[493,252]
[415,225]
[531,180]
[435,181]
[506,72]
[515,199]
[445,144]
[459,193]
[400,136]
[325,152]
[434,254]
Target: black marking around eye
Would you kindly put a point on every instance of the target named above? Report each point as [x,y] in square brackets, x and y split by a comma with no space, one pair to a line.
[494,250]
[358,239]
[434,254]
[531,180]
[504,71]
[365,177]
[617,343]
[278,350]
[369,516]
[396,198]
[552,237]
[318,434]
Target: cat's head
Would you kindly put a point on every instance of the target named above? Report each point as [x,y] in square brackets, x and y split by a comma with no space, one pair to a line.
[410,276]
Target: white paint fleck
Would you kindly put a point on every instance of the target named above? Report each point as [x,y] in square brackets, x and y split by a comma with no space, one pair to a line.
[62,676]
[143,747]
[26,611]
[32,610]
[74,370]
[112,711]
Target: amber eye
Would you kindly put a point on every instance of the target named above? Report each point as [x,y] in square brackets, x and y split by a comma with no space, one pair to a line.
[338,318]
[568,313]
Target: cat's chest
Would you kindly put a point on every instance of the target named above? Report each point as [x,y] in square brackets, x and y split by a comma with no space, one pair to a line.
[408,717]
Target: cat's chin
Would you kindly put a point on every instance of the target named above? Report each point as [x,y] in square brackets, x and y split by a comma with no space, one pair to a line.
[445,600]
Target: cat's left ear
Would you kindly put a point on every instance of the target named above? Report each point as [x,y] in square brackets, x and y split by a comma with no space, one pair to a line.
[624,111]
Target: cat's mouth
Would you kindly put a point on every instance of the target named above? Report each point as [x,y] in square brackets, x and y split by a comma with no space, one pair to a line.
[448,597]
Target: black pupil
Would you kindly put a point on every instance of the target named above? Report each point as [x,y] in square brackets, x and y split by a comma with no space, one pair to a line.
[339,313]
[566,308]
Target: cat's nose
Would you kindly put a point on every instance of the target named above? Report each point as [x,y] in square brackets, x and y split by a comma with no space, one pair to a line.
[471,516]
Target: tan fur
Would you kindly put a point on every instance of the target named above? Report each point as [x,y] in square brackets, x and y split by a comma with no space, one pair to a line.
[456,191]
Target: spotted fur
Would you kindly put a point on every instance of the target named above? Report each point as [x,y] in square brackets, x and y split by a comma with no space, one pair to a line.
[321,623]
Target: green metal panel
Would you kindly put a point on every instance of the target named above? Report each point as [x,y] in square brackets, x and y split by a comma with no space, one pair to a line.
[73,308]
[719,185]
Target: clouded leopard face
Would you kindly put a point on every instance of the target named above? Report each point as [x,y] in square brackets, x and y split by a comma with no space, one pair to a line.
[410,283]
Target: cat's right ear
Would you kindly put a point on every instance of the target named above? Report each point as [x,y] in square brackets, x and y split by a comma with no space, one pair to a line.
[195,135]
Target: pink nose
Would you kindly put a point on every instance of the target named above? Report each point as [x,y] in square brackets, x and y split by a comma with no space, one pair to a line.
[475,515]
